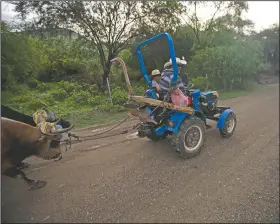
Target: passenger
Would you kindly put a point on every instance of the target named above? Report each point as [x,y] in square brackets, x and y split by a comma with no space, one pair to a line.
[155,79]
[178,96]
[167,76]
[155,75]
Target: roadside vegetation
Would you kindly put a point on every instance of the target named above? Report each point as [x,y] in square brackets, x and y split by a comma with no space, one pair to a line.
[45,64]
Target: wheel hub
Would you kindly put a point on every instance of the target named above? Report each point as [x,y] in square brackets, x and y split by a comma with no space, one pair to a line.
[192,138]
[229,125]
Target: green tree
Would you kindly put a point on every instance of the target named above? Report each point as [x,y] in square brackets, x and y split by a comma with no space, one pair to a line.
[228,66]
[232,9]
[269,38]
[18,57]
[109,25]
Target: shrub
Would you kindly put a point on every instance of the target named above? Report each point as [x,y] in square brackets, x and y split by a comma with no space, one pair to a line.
[80,97]
[264,68]
[139,90]
[67,86]
[119,96]
[95,100]
[32,83]
[42,87]
[106,106]
[227,67]
[199,83]
[58,94]
[21,98]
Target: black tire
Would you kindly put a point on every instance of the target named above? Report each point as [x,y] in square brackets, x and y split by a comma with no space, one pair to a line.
[178,139]
[224,131]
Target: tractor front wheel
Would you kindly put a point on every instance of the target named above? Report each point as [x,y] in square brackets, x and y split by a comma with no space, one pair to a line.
[190,138]
[229,127]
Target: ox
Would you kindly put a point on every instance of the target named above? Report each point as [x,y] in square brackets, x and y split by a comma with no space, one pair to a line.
[20,141]
[7,112]
[15,115]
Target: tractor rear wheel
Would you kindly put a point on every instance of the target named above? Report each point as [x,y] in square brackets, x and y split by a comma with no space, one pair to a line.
[190,138]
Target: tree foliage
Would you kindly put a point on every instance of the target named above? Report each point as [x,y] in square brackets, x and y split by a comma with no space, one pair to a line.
[228,66]
[223,12]
[67,73]
[108,25]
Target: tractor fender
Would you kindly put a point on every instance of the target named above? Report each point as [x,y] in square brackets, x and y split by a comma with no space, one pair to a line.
[222,118]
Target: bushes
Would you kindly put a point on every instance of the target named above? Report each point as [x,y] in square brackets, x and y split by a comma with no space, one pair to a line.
[200,83]
[64,96]
[58,94]
[80,97]
[227,67]
[119,96]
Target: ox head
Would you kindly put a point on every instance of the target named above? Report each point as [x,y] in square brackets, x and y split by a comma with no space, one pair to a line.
[50,141]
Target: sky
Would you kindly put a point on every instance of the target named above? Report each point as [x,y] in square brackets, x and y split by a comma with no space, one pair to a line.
[262,13]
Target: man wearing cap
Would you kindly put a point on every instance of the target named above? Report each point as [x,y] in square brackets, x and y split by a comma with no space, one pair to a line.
[167,76]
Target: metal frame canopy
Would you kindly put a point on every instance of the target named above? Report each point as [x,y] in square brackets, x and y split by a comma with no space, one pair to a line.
[171,52]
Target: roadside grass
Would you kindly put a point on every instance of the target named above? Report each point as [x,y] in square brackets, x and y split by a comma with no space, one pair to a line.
[91,118]
[253,87]
[87,116]
[87,119]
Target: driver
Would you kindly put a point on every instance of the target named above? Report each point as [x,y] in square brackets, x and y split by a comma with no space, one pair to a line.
[167,76]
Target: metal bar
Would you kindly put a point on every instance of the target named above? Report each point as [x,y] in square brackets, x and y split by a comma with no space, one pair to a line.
[172,56]
[109,91]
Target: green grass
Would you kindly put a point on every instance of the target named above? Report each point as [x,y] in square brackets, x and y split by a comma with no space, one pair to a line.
[90,118]
[254,87]
[86,116]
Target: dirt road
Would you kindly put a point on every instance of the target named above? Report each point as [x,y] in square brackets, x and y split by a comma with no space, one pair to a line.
[232,180]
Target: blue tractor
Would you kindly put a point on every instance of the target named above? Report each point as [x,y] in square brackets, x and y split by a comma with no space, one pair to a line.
[184,125]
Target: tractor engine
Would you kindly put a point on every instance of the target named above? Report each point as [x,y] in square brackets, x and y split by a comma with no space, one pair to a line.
[145,129]
[208,102]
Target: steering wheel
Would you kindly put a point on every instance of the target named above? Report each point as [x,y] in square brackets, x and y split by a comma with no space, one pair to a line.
[190,85]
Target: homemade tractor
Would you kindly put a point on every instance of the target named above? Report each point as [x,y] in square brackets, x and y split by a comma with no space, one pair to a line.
[185,125]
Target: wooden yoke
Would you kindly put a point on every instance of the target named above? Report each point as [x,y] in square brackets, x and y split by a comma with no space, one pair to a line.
[149,101]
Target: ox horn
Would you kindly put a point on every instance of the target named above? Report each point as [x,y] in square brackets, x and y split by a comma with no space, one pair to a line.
[60,131]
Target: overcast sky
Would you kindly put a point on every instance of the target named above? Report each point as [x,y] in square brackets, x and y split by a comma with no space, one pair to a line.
[262,13]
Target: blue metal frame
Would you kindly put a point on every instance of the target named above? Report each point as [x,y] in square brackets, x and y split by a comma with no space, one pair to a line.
[172,55]
[222,118]
[195,97]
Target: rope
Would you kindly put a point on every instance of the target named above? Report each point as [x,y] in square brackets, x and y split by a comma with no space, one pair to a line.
[104,131]
[92,137]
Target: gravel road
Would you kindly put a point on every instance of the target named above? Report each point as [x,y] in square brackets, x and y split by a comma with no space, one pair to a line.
[135,180]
